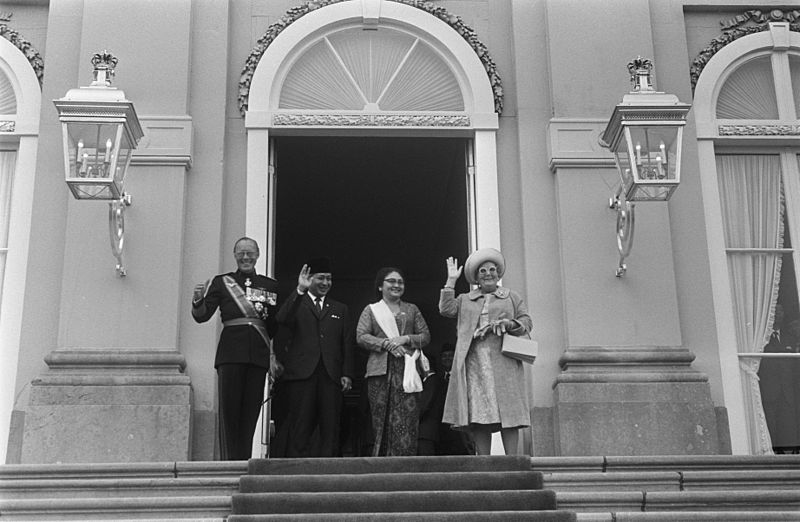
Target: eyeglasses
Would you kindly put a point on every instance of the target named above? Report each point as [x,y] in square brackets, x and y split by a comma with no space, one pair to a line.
[240,255]
[398,282]
[490,270]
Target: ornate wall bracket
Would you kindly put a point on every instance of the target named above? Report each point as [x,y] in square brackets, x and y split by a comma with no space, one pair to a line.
[624,228]
[116,229]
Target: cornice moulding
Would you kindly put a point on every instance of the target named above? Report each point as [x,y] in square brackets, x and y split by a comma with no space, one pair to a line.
[167,141]
[573,143]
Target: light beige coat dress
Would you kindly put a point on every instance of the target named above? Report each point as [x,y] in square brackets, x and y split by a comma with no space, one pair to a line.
[485,387]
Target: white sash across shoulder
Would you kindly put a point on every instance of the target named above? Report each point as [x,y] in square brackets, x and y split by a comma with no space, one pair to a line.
[385,318]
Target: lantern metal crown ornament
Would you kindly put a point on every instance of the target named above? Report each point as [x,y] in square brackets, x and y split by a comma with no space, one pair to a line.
[100,131]
[644,133]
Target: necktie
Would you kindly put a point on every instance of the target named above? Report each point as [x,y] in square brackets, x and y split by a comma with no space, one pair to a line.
[319,304]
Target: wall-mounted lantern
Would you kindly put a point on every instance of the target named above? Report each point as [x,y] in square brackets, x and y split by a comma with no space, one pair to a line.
[644,133]
[100,130]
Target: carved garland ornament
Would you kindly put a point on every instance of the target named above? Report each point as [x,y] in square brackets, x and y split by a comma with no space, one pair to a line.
[30,52]
[750,22]
[296,13]
[370,120]
[759,130]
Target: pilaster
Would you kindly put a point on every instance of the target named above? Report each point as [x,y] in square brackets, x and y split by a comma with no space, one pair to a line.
[627,386]
[114,388]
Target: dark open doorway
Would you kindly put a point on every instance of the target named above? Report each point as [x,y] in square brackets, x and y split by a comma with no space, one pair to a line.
[368,203]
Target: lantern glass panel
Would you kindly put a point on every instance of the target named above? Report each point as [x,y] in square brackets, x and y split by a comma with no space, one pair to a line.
[92,155]
[624,168]
[92,191]
[653,150]
[122,162]
[657,192]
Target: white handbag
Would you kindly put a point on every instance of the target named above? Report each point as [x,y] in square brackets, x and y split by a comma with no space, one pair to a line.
[520,348]
[411,380]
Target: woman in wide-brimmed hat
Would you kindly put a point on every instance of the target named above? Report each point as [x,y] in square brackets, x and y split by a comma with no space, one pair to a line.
[486,393]
[394,332]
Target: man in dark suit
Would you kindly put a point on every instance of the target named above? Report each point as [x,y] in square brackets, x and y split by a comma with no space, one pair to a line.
[318,364]
[247,304]
[778,382]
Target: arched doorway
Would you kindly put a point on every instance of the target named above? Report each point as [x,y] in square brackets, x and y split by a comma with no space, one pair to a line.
[368,76]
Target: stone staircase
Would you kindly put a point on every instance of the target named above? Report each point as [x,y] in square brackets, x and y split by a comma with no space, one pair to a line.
[619,489]
[463,488]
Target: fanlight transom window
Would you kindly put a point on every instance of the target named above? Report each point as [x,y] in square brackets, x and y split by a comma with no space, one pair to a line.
[794,73]
[8,100]
[750,91]
[378,70]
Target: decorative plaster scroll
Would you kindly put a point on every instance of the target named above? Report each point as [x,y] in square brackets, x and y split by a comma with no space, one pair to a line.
[369,120]
[759,130]
[295,13]
[30,52]
[750,22]
[7,126]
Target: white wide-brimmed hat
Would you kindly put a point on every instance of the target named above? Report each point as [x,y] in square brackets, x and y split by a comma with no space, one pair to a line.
[479,257]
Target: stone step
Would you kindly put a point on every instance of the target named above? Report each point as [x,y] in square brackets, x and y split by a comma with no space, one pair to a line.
[613,481]
[672,480]
[745,479]
[712,500]
[392,501]
[471,480]
[427,516]
[689,516]
[119,487]
[783,500]
[357,465]
[142,508]
[123,470]
[666,463]
[703,462]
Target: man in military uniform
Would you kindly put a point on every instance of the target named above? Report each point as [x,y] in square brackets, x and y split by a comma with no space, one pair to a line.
[247,305]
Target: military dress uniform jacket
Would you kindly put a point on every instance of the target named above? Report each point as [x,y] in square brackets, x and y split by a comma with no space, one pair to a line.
[315,334]
[239,344]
